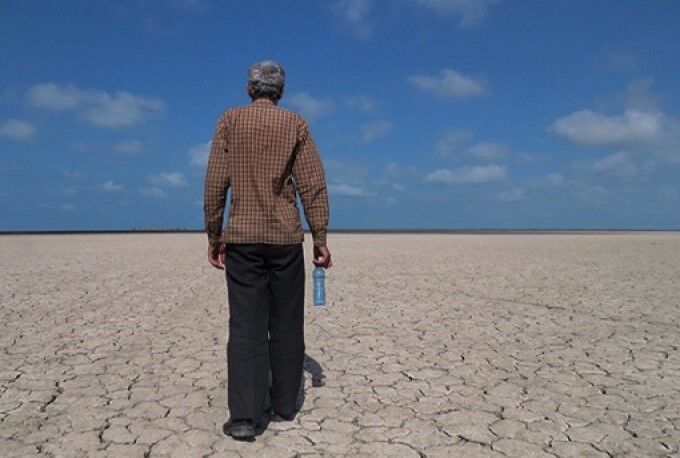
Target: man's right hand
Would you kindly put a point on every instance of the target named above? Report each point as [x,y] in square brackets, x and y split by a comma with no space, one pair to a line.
[322,257]
[217,255]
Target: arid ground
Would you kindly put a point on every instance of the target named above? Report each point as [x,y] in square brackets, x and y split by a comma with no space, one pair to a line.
[521,345]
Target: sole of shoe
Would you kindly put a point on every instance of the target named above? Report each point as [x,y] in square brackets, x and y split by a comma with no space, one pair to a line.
[240,433]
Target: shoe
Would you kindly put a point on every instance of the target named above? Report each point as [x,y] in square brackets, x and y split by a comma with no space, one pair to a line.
[277,417]
[240,429]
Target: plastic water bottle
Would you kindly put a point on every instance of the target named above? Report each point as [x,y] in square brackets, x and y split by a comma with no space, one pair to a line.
[319,276]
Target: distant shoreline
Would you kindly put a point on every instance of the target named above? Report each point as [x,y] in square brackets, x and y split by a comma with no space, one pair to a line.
[356,231]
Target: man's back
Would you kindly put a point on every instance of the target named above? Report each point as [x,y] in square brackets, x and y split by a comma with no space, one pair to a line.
[264,154]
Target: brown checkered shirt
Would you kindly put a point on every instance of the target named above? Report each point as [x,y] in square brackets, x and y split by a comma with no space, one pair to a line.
[264,154]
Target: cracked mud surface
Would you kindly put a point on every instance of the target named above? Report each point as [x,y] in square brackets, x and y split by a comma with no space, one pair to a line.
[431,345]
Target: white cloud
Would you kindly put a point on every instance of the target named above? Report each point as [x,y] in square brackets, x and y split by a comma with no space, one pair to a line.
[53,97]
[639,96]
[617,163]
[199,154]
[375,130]
[361,103]
[589,128]
[471,12]
[310,107]
[641,128]
[129,147]
[512,195]
[18,130]
[120,109]
[110,186]
[354,14]
[450,84]
[346,190]
[488,151]
[155,192]
[477,174]
[452,145]
[67,207]
[172,179]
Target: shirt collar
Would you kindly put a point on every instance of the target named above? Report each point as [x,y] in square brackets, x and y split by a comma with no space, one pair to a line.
[262,101]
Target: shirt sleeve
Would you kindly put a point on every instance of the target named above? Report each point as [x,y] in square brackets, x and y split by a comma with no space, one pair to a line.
[216,182]
[311,184]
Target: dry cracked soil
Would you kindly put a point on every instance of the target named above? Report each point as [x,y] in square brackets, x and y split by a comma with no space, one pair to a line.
[522,345]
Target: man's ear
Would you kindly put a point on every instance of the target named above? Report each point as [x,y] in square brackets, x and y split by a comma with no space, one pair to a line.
[248,91]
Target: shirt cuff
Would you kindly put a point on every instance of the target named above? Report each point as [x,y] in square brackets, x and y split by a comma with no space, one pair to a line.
[319,238]
[214,238]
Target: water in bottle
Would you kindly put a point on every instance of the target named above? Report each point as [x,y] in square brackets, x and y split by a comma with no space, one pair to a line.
[319,287]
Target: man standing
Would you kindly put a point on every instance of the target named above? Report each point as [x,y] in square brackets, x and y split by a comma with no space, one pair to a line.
[264,154]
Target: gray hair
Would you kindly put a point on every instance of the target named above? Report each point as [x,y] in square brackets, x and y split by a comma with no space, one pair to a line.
[266,79]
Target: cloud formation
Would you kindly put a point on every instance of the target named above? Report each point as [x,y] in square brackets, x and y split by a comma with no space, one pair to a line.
[15,129]
[110,186]
[471,12]
[354,14]
[450,84]
[309,106]
[361,103]
[594,129]
[172,179]
[618,163]
[488,151]
[453,144]
[468,175]
[346,190]
[199,154]
[99,108]
[154,192]
[642,127]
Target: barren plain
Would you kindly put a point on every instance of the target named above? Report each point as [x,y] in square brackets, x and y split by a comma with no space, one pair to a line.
[437,345]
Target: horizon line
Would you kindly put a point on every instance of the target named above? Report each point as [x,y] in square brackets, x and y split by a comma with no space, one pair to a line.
[518,230]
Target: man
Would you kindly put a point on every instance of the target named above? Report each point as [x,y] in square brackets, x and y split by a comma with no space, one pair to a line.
[264,154]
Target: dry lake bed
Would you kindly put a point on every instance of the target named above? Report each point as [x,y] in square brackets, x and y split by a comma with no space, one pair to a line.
[437,345]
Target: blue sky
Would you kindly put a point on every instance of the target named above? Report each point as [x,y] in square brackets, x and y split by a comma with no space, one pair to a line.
[427,113]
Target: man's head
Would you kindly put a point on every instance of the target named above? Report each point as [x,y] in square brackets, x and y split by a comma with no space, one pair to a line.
[266,79]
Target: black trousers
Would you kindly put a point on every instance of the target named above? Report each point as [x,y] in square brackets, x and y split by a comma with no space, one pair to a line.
[266,289]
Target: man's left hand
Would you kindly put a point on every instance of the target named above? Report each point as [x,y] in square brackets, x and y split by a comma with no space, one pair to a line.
[217,255]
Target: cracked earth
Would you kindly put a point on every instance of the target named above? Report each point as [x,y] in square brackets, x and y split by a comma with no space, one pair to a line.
[431,345]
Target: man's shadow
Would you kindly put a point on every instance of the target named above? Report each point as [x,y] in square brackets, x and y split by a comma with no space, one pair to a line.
[312,367]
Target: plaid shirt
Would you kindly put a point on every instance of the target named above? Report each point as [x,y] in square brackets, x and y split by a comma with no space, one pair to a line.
[264,154]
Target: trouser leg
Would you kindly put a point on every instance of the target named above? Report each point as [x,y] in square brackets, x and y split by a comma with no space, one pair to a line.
[286,324]
[247,348]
